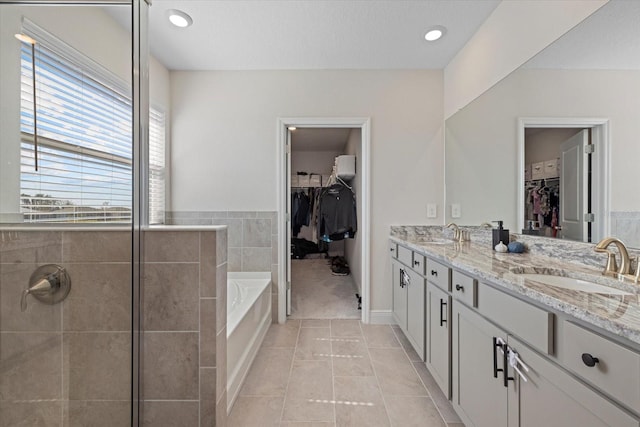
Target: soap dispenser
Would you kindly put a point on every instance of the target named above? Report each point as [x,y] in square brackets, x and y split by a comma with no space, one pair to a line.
[499,235]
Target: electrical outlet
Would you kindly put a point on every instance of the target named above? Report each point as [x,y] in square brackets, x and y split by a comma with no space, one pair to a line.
[432,210]
[455,210]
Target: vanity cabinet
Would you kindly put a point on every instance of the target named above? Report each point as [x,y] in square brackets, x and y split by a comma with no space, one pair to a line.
[409,296]
[438,353]
[479,395]
[399,294]
[488,392]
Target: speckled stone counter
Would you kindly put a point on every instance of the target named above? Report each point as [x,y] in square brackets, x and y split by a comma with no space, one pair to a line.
[617,314]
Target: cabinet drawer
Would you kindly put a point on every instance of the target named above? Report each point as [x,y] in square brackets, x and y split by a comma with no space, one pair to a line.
[439,275]
[405,255]
[464,288]
[419,263]
[617,371]
[532,324]
[393,249]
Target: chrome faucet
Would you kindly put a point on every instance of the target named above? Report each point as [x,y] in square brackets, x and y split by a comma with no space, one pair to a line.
[611,268]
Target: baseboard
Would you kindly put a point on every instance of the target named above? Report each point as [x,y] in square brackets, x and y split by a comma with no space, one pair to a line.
[381,317]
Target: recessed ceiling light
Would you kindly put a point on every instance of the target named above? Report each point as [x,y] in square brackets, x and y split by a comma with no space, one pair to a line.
[179,18]
[292,128]
[435,33]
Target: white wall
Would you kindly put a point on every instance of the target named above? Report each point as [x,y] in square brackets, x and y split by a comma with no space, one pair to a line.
[316,162]
[544,144]
[513,33]
[89,30]
[224,142]
[353,247]
[481,138]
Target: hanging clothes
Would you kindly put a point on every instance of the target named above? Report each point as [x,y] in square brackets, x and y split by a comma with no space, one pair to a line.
[337,215]
[299,211]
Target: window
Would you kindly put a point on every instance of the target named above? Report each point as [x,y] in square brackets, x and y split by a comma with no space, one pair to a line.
[84,118]
[156,166]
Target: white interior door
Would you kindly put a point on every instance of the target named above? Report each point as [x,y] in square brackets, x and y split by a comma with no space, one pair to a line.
[288,223]
[573,186]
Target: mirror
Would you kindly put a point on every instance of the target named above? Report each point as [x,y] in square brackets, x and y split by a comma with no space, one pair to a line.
[590,77]
[66,147]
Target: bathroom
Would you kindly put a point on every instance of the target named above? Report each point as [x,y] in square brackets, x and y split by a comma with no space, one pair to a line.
[219,191]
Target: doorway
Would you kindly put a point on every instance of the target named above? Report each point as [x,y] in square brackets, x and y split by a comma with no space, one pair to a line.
[357,248]
[563,177]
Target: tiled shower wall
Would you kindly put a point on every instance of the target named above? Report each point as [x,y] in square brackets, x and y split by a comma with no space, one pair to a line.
[184,317]
[70,363]
[252,239]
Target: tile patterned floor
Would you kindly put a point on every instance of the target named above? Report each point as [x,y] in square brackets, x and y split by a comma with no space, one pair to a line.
[339,373]
[317,294]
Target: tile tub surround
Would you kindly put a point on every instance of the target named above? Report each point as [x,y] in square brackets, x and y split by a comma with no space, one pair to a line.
[184,324]
[252,240]
[48,354]
[617,315]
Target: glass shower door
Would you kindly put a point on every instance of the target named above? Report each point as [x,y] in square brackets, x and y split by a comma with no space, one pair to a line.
[68,221]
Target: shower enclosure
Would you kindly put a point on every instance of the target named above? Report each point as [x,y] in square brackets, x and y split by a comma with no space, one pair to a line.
[73,120]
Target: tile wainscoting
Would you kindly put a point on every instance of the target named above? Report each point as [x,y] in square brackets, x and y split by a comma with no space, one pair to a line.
[252,240]
[70,363]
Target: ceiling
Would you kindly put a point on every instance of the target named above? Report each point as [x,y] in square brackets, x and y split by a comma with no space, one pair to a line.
[312,34]
[608,39]
[319,139]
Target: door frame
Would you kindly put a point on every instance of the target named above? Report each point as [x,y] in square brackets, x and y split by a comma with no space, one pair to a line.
[601,183]
[364,226]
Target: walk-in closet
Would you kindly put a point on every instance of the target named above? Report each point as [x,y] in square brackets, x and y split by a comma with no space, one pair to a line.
[325,240]
[557,183]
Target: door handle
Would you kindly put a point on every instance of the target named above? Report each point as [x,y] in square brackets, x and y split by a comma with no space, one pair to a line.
[505,361]
[442,304]
[495,357]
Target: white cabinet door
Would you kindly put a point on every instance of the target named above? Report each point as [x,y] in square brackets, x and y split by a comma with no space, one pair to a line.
[552,398]
[399,294]
[416,312]
[479,394]
[438,344]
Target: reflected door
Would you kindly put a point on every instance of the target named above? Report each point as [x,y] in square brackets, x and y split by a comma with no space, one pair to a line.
[574,186]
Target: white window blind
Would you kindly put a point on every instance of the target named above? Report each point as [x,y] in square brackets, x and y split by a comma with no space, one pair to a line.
[156,166]
[84,138]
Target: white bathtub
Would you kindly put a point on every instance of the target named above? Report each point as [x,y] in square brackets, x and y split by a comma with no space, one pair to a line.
[248,318]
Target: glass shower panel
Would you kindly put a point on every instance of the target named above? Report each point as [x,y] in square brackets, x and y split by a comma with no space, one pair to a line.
[66,215]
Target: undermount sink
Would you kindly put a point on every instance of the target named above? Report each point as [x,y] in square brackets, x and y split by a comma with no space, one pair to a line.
[573,284]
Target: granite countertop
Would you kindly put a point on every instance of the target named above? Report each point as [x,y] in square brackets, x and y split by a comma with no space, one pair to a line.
[618,314]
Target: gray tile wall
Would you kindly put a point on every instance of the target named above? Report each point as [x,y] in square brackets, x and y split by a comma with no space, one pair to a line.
[626,227]
[252,240]
[184,323]
[69,363]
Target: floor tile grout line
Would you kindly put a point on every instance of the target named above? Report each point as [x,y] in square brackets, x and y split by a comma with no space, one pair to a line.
[333,382]
[293,358]
[375,374]
[429,395]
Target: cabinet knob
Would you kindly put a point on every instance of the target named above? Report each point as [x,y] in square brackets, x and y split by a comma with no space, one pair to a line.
[416,262]
[589,360]
[391,249]
[459,288]
[434,273]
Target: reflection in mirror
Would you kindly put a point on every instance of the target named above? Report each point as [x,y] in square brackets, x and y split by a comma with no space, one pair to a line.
[66,140]
[582,81]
